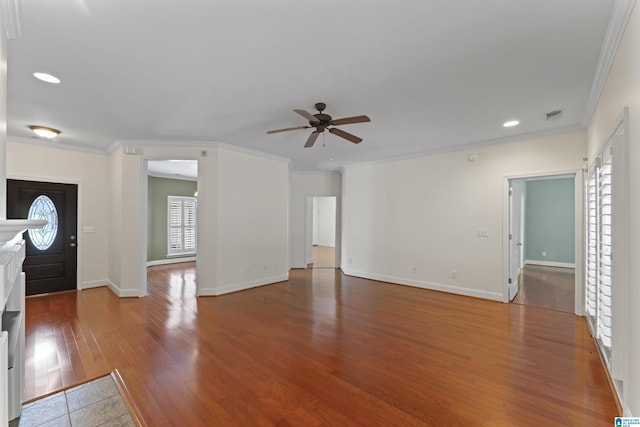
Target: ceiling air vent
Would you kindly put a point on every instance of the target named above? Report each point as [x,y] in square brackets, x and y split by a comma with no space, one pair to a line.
[554,115]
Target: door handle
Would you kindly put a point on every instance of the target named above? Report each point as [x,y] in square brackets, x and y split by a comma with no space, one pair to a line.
[518,244]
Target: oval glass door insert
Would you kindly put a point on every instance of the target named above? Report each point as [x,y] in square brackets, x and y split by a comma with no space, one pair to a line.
[43,208]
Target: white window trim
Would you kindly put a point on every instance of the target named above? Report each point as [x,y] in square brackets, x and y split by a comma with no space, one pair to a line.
[615,356]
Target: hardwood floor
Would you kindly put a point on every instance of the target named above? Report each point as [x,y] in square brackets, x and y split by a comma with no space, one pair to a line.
[321,349]
[548,287]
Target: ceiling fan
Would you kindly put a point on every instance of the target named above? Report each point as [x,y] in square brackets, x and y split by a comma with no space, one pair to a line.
[321,122]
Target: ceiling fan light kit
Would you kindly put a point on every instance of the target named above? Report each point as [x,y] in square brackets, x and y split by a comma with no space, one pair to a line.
[321,122]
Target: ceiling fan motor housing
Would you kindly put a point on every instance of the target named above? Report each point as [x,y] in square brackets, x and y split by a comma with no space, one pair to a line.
[324,120]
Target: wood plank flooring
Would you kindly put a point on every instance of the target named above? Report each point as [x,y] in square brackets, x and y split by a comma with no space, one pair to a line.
[548,287]
[320,349]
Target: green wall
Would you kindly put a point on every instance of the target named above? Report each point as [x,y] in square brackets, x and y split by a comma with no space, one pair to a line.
[550,220]
[158,189]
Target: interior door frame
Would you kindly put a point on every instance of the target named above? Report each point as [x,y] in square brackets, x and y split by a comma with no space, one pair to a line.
[144,217]
[308,227]
[578,177]
[79,217]
[517,240]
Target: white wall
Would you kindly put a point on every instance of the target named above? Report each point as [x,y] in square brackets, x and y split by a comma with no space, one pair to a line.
[305,185]
[115,219]
[242,212]
[621,90]
[252,207]
[91,172]
[326,220]
[423,214]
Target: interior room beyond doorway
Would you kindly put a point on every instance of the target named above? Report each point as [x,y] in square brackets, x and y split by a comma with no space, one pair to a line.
[323,232]
[547,287]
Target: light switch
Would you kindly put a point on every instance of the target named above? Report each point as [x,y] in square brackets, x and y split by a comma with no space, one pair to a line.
[89,228]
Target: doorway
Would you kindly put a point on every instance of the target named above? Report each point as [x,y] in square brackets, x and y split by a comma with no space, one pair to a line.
[321,247]
[51,263]
[171,188]
[542,241]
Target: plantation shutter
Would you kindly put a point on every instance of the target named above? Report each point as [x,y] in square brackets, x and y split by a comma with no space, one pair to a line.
[189,230]
[591,294]
[606,254]
[181,225]
[604,249]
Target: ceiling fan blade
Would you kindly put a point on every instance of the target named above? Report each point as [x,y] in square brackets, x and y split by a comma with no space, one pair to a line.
[307,116]
[312,139]
[345,135]
[286,129]
[349,120]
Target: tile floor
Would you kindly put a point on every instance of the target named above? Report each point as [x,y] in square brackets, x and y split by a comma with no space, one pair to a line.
[93,404]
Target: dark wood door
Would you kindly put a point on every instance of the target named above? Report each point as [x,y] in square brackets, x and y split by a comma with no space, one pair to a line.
[51,261]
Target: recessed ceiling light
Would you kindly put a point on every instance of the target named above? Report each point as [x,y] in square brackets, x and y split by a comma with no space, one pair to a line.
[46,77]
[511,123]
[45,132]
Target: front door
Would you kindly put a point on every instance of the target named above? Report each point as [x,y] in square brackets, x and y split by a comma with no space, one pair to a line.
[51,261]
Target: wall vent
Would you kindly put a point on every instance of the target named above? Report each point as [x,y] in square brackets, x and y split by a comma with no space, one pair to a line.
[554,115]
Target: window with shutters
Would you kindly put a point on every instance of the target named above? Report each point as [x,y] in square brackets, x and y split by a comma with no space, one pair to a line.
[591,234]
[607,259]
[181,225]
[598,265]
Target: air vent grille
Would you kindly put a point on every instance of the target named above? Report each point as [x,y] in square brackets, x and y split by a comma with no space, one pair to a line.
[554,115]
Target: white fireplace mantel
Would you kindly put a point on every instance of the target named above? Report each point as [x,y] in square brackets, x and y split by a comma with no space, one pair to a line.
[10,228]
[12,307]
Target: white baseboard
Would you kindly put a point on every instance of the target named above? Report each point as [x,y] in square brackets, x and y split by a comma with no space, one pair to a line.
[170,261]
[121,293]
[549,263]
[94,284]
[298,265]
[242,286]
[494,296]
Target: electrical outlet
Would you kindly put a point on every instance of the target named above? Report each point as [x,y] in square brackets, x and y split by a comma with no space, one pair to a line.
[454,274]
[415,269]
[544,253]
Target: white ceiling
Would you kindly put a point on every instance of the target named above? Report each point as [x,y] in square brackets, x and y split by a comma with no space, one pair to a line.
[432,75]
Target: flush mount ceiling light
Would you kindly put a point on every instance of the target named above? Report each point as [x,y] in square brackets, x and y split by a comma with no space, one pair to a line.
[44,132]
[46,78]
[511,123]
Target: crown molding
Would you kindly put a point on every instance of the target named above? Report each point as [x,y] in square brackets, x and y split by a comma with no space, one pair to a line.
[160,144]
[52,144]
[618,20]
[192,144]
[471,146]
[305,172]
[169,176]
[12,18]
